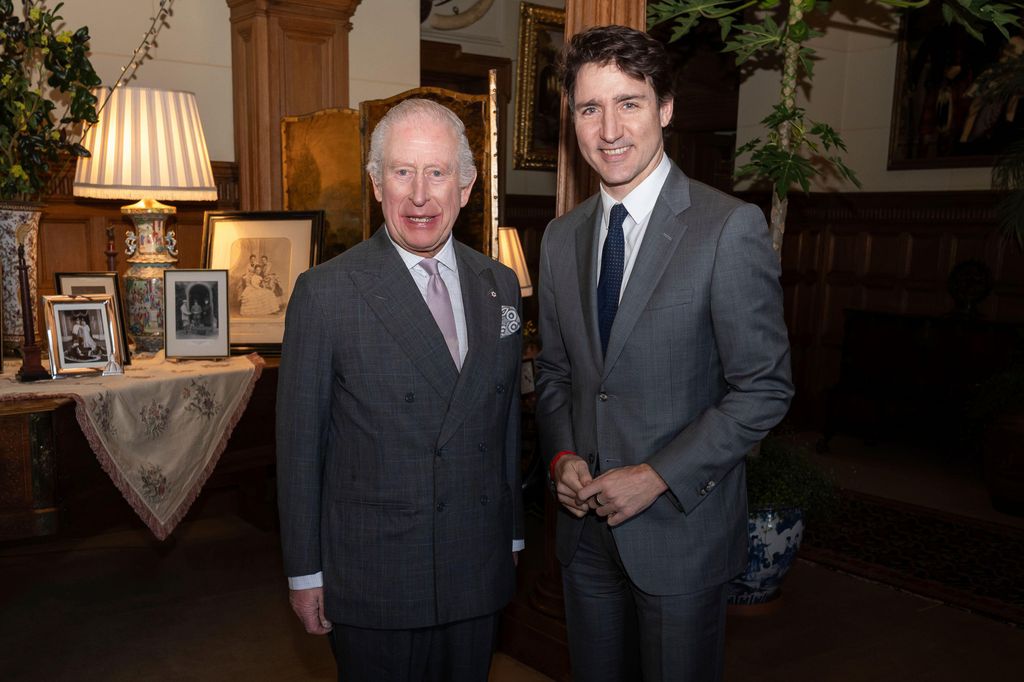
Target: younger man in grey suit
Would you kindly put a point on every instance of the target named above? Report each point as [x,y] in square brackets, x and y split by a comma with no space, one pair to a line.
[398,425]
[664,359]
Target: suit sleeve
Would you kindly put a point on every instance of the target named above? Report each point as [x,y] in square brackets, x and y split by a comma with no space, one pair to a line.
[753,344]
[303,412]
[554,371]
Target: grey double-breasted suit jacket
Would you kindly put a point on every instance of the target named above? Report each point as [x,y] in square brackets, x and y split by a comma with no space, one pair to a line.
[398,475]
[696,372]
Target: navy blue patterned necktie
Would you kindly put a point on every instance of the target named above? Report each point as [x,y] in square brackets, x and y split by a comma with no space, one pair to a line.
[613,261]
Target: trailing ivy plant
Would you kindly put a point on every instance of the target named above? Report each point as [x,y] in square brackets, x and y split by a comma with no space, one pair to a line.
[784,156]
[42,69]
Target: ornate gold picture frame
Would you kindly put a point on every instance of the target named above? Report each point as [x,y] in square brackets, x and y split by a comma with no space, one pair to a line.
[538,93]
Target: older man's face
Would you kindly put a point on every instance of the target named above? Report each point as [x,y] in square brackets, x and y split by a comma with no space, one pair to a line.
[419,188]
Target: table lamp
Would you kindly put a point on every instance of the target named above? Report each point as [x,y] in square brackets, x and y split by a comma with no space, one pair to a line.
[510,253]
[148,144]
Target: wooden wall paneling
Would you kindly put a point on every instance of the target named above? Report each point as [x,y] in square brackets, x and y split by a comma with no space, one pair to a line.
[883,252]
[289,57]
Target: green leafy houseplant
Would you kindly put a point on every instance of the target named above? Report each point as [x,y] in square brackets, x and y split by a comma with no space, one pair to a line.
[784,157]
[782,476]
[45,98]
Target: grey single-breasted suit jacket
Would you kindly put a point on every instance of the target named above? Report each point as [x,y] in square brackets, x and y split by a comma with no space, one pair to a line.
[696,372]
[398,475]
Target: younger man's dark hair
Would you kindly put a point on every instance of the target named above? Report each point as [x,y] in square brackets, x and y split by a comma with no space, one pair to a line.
[631,51]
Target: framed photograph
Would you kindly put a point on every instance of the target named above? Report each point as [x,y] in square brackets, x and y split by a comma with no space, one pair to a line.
[538,93]
[83,335]
[938,121]
[196,321]
[263,253]
[92,283]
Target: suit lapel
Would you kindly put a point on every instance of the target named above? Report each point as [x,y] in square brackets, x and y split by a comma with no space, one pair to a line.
[664,232]
[483,319]
[388,288]
[586,263]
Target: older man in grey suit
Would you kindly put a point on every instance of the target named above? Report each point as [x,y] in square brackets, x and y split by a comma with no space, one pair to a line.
[664,360]
[398,425]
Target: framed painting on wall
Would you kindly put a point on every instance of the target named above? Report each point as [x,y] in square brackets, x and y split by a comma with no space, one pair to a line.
[538,92]
[263,252]
[939,119]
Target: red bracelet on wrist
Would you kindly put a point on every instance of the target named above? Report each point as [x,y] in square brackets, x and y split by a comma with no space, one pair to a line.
[554,461]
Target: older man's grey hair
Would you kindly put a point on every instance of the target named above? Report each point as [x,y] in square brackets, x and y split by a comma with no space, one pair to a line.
[417,108]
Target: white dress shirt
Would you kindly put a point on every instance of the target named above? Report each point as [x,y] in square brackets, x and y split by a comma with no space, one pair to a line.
[639,204]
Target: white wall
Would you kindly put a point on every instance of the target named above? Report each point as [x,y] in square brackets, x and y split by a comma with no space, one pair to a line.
[853,91]
[193,53]
[383,49]
[497,35]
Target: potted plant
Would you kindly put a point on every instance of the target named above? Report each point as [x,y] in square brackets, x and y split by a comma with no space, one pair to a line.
[795,149]
[45,98]
[995,423]
[784,489]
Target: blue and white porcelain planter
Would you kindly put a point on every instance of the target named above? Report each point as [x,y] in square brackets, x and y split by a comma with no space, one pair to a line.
[774,538]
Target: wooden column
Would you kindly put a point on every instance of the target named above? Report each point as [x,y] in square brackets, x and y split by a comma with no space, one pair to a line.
[288,57]
[575,180]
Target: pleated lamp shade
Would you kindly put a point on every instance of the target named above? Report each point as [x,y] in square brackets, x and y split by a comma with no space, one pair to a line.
[510,253]
[148,144]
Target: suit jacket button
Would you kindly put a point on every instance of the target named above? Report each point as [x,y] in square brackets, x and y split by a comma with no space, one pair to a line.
[481,447]
[602,396]
[439,452]
[500,388]
[409,397]
[484,499]
[440,506]
[710,486]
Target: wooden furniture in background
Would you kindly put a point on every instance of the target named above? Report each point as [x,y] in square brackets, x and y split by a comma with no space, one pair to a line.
[912,375]
[884,252]
[288,57]
[51,482]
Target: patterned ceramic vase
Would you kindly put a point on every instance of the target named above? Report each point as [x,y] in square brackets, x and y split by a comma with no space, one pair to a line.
[774,536]
[17,221]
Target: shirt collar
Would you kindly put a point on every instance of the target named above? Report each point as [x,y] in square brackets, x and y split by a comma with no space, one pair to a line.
[446,256]
[640,202]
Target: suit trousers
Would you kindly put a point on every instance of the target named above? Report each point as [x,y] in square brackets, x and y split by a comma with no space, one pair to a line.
[452,652]
[617,632]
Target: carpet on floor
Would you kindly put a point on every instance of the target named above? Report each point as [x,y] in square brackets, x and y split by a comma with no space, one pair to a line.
[960,561]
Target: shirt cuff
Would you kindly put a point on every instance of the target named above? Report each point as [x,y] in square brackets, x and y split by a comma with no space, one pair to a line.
[518,545]
[308,582]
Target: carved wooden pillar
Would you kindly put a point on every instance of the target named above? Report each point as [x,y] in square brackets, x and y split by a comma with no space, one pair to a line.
[576,181]
[288,57]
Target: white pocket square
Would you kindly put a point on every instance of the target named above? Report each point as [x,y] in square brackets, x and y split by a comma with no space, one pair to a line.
[510,323]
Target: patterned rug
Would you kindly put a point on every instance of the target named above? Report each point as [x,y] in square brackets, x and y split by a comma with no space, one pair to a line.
[972,564]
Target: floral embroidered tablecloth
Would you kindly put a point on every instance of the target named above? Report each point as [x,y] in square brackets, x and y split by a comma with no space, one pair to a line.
[159,429]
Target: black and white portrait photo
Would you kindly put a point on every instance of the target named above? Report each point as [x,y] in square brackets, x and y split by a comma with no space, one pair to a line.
[195,309]
[259,273]
[83,336]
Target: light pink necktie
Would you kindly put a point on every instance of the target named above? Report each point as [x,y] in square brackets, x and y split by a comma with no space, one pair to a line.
[440,304]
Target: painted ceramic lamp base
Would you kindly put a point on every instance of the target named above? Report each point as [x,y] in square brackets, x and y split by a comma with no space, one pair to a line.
[144,289]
